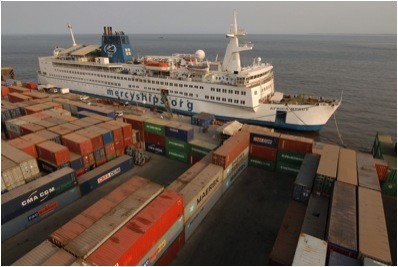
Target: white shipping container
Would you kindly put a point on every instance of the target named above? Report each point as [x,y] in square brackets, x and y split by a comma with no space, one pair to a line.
[12,126]
[11,174]
[196,193]
[38,255]
[163,243]
[310,251]
[235,168]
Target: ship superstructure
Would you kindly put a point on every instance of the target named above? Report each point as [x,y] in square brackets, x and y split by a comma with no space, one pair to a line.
[193,84]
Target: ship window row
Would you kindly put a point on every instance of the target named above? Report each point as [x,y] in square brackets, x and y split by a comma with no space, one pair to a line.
[82,79]
[229,100]
[229,91]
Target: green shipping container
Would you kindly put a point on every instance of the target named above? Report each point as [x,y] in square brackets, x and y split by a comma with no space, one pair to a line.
[200,148]
[263,164]
[155,126]
[290,158]
[287,168]
[389,188]
[175,144]
[177,155]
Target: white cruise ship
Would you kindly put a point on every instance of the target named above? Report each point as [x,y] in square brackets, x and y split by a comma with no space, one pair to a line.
[188,83]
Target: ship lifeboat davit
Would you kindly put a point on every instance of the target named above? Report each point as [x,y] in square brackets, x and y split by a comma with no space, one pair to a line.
[199,68]
[157,65]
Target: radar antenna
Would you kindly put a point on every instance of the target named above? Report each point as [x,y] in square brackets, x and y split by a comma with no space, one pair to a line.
[71,34]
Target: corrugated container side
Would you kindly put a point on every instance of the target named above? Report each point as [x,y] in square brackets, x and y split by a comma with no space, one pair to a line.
[25,146]
[158,140]
[36,214]
[50,136]
[172,251]
[176,144]
[327,170]
[305,178]
[291,158]
[11,174]
[286,241]
[373,235]
[263,152]
[263,164]
[239,164]
[78,144]
[180,131]
[110,170]
[367,174]
[53,153]
[37,255]
[342,230]
[337,259]
[30,195]
[316,217]
[296,144]
[177,155]
[130,243]
[231,148]
[161,150]
[347,170]
[310,251]
[287,168]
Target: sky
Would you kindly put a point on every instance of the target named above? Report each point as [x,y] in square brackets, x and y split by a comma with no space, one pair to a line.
[200,17]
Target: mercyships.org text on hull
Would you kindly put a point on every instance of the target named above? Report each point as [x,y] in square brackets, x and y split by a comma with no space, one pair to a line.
[190,83]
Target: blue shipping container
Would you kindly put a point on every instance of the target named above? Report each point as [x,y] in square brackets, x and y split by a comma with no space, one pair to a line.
[30,195]
[264,140]
[202,119]
[155,149]
[97,177]
[38,213]
[181,134]
[76,161]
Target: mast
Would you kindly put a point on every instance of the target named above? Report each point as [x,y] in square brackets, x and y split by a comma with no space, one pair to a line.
[231,60]
[71,34]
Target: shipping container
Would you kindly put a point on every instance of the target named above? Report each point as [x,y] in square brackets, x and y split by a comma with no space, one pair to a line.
[263,152]
[337,259]
[25,146]
[137,123]
[155,147]
[224,155]
[95,137]
[381,168]
[17,97]
[305,178]
[11,174]
[41,122]
[83,114]
[371,262]
[99,156]
[31,128]
[31,85]
[163,244]
[295,143]
[117,131]
[263,164]
[61,130]
[310,251]
[34,138]
[200,148]
[76,161]
[48,167]
[107,135]
[81,124]
[110,170]
[35,214]
[196,193]
[155,126]
[347,170]
[91,121]
[180,131]
[327,170]
[287,168]
[36,95]
[317,147]
[127,130]
[367,174]
[262,136]
[78,144]
[27,163]
[291,158]
[177,155]
[373,235]
[110,151]
[176,144]
[53,152]
[49,136]
[4,91]
[130,243]
[342,232]
[172,251]
[316,217]
[37,255]
[18,89]
[202,119]
[239,164]
[13,126]
[28,196]
[289,232]
[192,224]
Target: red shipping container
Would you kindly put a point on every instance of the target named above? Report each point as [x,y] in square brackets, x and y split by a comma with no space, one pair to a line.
[159,140]
[131,242]
[116,130]
[53,152]
[33,109]
[88,160]
[232,147]
[31,85]
[16,97]
[96,138]
[381,168]
[25,146]
[110,151]
[137,122]
[171,251]
[80,172]
[33,138]
[18,89]
[263,152]
[79,144]
[30,128]
[4,91]
[296,144]
[126,127]
[128,141]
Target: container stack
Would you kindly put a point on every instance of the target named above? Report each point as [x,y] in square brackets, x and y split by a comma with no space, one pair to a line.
[178,136]
[75,107]
[198,149]
[327,170]
[305,178]
[203,120]
[291,152]
[137,123]
[154,136]
[385,152]
[310,251]
[52,156]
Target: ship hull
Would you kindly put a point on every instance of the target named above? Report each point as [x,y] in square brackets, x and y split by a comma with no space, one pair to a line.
[291,117]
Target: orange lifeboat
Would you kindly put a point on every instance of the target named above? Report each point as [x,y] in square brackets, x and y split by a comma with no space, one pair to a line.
[157,65]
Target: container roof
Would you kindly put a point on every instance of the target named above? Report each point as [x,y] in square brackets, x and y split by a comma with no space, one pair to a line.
[85,50]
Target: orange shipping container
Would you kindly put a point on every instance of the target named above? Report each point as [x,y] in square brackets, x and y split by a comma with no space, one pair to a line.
[33,138]
[231,148]
[18,89]
[4,91]
[296,144]
[30,128]
[31,85]
[53,152]
[78,144]
[381,168]
[16,97]
[25,146]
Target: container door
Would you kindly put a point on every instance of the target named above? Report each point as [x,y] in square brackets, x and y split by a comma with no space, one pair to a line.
[280,117]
